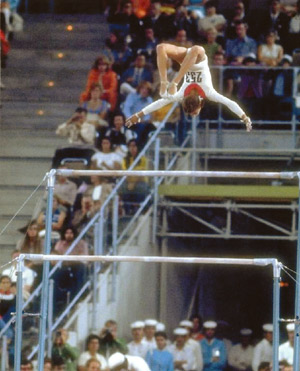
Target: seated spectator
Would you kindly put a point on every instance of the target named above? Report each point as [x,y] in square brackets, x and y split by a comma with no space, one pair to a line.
[58,364]
[47,364]
[27,277]
[141,7]
[197,327]
[211,20]
[106,158]
[69,278]
[147,46]
[102,74]
[92,349]
[242,45]
[97,109]
[237,17]
[157,20]
[194,344]
[65,190]
[58,217]
[182,353]
[137,347]
[7,298]
[160,358]
[240,355]
[62,352]
[294,30]
[93,365]
[119,134]
[119,361]
[211,46]
[181,39]
[77,129]
[136,102]
[270,54]
[149,331]
[83,215]
[109,341]
[134,75]
[182,20]
[26,365]
[118,51]
[134,189]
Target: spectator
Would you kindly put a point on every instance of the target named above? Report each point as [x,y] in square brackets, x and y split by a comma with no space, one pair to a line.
[58,363]
[133,76]
[58,217]
[82,216]
[194,344]
[197,327]
[213,349]
[240,355]
[149,331]
[160,359]
[31,243]
[28,275]
[92,349]
[237,17]
[212,20]
[120,362]
[7,298]
[97,109]
[109,341]
[294,30]
[286,350]
[270,54]
[65,190]
[137,347]
[62,349]
[47,364]
[134,189]
[211,46]
[181,39]
[119,134]
[263,350]
[106,158]
[141,7]
[93,365]
[135,102]
[26,365]
[182,20]
[77,129]
[242,45]
[147,46]
[157,20]
[102,74]
[182,353]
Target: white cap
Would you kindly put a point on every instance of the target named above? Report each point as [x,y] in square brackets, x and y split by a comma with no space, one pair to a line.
[180,331]
[210,324]
[150,322]
[186,323]
[160,327]
[290,327]
[115,360]
[246,332]
[268,327]
[251,55]
[137,324]
[287,57]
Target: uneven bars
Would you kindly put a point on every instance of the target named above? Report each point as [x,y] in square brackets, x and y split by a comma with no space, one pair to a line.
[177,173]
[150,259]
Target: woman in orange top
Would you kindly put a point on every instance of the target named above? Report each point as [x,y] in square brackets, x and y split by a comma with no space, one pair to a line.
[106,78]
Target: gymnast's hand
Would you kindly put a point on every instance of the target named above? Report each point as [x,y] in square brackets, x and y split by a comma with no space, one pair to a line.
[247,121]
[132,120]
[172,88]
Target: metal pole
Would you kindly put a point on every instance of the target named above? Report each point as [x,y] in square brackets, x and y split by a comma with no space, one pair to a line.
[114,244]
[194,145]
[276,312]
[94,277]
[155,198]
[297,296]
[4,353]
[46,265]
[50,316]
[19,307]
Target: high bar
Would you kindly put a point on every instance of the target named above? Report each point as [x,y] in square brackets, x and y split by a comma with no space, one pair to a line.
[149,259]
[178,173]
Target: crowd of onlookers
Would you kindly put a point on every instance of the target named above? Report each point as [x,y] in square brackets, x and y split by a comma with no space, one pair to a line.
[190,347]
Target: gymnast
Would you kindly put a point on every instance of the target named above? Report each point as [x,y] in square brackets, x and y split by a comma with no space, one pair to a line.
[196,87]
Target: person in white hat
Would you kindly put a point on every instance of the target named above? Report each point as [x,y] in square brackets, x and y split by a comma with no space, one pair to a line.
[149,331]
[263,351]
[160,359]
[213,349]
[137,347]
[182,353]
[195,345]
[119,361]
[286,350]
[240,355]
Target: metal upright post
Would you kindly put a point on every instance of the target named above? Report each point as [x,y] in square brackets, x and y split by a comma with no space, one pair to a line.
[114,243]
[50,317]
[94,276]
[4,353]
[155,197]
[19,309]
[194,145]
[46,265]
[276,305]
[297,296]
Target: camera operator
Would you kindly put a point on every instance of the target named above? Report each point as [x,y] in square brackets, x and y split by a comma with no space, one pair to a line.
[109,342]
[64,350]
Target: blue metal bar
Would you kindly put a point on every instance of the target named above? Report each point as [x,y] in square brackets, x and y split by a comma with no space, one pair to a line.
[155,190]
[296,362]
[19,306]
[276,313]
[50,317]
[46,268]
[115,244]
[4,353]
